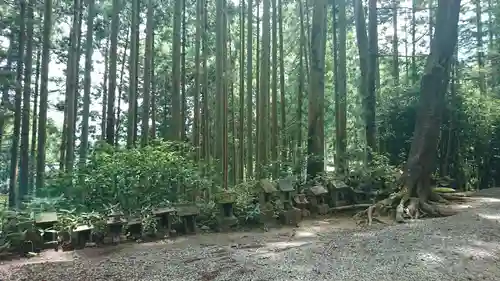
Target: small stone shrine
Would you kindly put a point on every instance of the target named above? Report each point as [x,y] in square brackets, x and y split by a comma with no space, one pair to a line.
[45,222]
[81,235]
[164,219]
[291,215]
[226,218]
[317,201]
[115,223]
[188,214]
[340,193]
[301,202]
[267,193]
[134,228]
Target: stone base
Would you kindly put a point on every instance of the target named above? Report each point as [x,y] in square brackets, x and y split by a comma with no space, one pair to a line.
[292,216]
[305,213]
[225,223]
[323,209]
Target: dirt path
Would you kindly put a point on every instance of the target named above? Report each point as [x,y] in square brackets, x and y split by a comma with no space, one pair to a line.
[462,247]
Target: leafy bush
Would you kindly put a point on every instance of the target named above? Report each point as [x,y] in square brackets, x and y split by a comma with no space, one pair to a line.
[134,178]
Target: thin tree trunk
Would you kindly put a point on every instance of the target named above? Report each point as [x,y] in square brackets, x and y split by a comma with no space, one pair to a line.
[341,98]
[24,174]
[148,55]
[197,79]
[35,118]
[414,74]
[184,109]
[395,43]
[5,89]
[120,94]
[132,98]
[205,112]
[274,101]
[153,87]
[72,84]
[105,90]
[44,79]
[18,100]
[115,25]
[282,86]
[241,131]
[87,80]
[262,151]
[367,82]
[176,121]
[249,156]
[480,53]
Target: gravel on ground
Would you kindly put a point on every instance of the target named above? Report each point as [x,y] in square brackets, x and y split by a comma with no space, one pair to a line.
[462,247]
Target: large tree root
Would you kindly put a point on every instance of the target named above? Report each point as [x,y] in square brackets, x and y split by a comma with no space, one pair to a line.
[403,207]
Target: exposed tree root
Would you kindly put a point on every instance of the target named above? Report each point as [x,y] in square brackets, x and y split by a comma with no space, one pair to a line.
[404,207]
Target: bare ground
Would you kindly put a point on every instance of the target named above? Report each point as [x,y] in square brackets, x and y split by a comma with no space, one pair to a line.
[462,247]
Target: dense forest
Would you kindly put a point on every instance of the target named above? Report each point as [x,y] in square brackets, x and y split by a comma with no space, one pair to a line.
[145,103]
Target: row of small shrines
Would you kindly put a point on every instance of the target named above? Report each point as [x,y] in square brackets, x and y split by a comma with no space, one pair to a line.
[293,207]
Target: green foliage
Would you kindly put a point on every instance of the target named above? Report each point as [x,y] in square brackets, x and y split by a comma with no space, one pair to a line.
[144,177]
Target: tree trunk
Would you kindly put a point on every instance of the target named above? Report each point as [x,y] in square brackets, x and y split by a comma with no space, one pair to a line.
[205,97]
[480,52]
[395,43]
[72,84]
[105,89]
[153,88]
[262,152]
[282,85]
[18,100]
[148,55]
[414,74]
[34,127]
[44,79]
[89,49]
[176,122]
[316,140]
[5,103]
[367,76]
[341,97]
[115,25]
[274,99]
[197,80]
[184,109]
[241,122]
[120,92]
[132,97]
[421,159]
[249,156]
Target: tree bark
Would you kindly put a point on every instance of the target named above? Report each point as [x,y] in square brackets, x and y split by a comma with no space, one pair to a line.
[44,79]
[249,121]
[89,49]
[132,96]
[421,159]
[115,25]
[316,140]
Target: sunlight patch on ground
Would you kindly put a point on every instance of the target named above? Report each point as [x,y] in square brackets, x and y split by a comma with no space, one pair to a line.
[462,206]
[490,217]
[476,252]
[365,234]
[285,244]
[488,199]
[430,259]
[44,257]
[305,234]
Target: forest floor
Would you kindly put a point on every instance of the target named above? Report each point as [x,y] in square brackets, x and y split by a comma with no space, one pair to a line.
[462,247]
